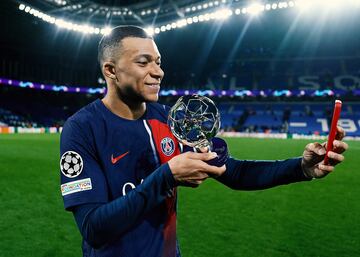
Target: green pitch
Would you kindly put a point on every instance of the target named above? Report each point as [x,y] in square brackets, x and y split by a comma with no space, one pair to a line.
[317,218]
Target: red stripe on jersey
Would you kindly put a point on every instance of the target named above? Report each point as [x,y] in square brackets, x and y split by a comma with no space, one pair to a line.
[167,147]
[164,140]
[169,233]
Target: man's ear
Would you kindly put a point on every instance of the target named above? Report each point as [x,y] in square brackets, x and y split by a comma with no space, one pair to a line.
[109,70]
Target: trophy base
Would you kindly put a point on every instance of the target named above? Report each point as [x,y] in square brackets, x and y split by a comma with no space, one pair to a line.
[217,145]
[220,147]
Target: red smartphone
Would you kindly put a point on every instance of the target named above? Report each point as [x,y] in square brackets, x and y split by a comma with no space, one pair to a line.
[333,129]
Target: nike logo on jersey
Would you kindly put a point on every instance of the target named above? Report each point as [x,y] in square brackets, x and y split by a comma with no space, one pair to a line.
[116,159]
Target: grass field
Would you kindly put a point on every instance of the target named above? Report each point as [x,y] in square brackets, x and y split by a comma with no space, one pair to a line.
[317,218]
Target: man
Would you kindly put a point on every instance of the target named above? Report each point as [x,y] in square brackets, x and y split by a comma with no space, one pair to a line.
[120,164]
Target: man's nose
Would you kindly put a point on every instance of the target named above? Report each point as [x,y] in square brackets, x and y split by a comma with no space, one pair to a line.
[157,72]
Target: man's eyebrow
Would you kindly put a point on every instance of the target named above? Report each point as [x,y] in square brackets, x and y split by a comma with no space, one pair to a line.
[148,56]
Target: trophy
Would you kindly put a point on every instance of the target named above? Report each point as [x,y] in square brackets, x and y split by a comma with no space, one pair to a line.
[195,121]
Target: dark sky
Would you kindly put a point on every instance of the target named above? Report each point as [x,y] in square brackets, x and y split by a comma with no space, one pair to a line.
[284,33]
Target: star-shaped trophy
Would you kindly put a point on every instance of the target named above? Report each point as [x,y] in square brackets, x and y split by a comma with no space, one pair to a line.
[194,121]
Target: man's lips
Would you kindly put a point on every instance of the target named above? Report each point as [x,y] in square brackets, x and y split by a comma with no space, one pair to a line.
[155,86]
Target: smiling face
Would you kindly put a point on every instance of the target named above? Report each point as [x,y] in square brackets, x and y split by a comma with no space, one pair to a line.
[137,70]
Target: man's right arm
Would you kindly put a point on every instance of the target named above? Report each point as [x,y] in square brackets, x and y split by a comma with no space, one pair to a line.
[102,223]
[86,192]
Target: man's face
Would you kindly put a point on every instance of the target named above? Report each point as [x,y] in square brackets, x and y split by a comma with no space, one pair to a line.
[138,70]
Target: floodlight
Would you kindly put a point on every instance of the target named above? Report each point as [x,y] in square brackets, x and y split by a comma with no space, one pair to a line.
[255,9]
[105,31]
[223,14]
[304,4]
[150,31]
[181,23]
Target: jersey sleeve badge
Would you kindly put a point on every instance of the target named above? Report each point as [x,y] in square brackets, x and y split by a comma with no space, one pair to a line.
[71,164]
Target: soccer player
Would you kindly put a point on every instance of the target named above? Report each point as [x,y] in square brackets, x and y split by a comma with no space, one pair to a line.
[120,164]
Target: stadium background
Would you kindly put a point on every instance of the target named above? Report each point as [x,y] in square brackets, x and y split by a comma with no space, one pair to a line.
[273,69]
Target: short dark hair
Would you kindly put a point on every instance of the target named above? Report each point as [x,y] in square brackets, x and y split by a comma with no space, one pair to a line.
[111,42]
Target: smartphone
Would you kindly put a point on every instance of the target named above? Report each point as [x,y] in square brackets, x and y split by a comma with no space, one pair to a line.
[333,129]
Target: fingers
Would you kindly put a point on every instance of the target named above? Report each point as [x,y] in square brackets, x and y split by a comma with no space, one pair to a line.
[340,146]
[204,149]
[213,170]
[340,134]
[201,156]
[195,182]
[313,156]
[201,176]
[191,169]
[316,148]
[326,168]
[205,168]
[335,156]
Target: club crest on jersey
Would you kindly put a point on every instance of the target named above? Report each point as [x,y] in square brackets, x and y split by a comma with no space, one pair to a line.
[71,164]
[167,146]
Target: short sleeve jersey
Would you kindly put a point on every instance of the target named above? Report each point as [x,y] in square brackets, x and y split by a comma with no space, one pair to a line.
[104,156]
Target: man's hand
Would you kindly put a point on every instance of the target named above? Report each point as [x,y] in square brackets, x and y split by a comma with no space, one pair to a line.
[313,157]
[190,169]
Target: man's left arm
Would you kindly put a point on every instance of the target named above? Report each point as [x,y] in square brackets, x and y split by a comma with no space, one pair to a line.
[255,175]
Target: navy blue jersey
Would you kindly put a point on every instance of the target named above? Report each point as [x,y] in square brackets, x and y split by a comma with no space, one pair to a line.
[116,180]
[104,157]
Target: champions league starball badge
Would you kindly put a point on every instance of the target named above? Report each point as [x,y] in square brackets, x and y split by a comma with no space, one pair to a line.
[195,121]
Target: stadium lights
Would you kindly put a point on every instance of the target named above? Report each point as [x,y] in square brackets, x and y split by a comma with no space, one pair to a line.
[324,4]
[150,31]
[255,9]
[220,13]
[206,5]
[84,28]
